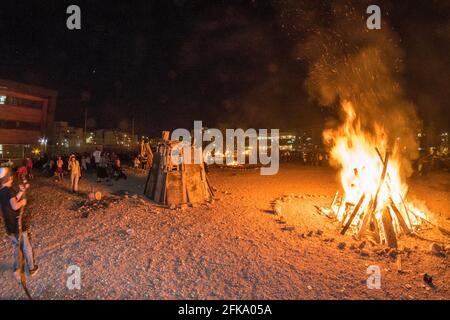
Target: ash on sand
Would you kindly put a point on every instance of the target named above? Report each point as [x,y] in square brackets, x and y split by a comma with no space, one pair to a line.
[298,213]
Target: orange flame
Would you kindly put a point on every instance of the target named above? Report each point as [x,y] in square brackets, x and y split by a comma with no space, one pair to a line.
[360,157]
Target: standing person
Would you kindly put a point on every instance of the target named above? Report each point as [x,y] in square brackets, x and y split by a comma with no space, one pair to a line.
[51,168]
[75,173]
[97,155]
[59,168]
[30,168]
[107,157]
[83,163]
[22,171]
[102,172]
[88,162]
[117,169]
[10,205]
[136,163]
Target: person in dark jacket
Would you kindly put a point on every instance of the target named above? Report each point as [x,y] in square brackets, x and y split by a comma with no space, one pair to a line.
[10,205]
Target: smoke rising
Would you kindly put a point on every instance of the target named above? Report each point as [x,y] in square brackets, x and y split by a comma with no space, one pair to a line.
[347,61]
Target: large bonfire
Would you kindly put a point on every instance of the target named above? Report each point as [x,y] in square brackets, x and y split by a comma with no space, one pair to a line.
[372,202]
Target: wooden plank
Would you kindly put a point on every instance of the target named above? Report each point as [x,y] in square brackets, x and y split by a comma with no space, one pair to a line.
[195,189]
[174,187]
[341,200]
[159,192]
[390,190]
[376,229]
[366,220]
[388,227]
[161,189]
[353,215]
[184,182]
[346,211]
[150,156]
[400,219]
[383,176]
[334,199]
[152,177]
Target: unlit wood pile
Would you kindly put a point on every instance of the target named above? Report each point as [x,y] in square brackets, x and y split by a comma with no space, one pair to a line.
[146,155]
[176,184]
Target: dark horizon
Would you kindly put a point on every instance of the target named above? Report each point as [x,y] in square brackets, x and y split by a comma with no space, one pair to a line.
[231,63]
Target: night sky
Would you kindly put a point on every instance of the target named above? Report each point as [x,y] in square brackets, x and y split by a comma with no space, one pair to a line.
[228,63]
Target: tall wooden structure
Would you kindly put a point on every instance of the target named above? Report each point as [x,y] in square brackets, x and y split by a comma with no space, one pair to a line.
[146,155]
[175,184]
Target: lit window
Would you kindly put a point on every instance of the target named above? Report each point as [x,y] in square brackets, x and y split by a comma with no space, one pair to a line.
[2,99]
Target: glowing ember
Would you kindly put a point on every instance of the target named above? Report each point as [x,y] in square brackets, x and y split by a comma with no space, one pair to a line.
[372,203]
[233,163]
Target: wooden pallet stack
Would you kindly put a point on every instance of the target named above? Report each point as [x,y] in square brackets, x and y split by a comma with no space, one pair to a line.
[175,184]
[146,155]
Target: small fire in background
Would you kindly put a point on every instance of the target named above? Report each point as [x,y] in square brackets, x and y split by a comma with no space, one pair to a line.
[373,202]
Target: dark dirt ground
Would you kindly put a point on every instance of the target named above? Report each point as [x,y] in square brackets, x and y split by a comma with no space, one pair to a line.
[234,248]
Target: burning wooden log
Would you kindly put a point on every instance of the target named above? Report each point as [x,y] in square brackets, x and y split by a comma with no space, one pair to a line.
[383,176]
[374,202]
[353,215]
[401,198]
[334,199]
[388,227]
[376,229]
[366,220]
[400,219]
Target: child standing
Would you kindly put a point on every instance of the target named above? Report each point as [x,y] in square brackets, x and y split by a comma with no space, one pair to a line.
[59,168]
[22,171]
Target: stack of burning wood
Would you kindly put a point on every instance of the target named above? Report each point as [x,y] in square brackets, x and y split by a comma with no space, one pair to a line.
[381,221]
[372,202]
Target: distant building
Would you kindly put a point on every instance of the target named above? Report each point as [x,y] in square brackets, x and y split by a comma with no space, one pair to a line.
[431,140]
[114,139]
[444,144]
[69,139]
[288,141]
[26,118]
[310,139]
[66,138]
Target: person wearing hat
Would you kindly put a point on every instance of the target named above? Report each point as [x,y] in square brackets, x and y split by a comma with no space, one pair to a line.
[75,173]
[10,206]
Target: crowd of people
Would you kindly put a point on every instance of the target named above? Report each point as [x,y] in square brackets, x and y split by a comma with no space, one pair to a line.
[107,166]
[308,158]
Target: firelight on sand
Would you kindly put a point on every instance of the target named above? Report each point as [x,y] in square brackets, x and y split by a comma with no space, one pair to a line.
[372,202]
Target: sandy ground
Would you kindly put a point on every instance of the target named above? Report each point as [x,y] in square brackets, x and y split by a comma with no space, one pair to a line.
[233,248]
